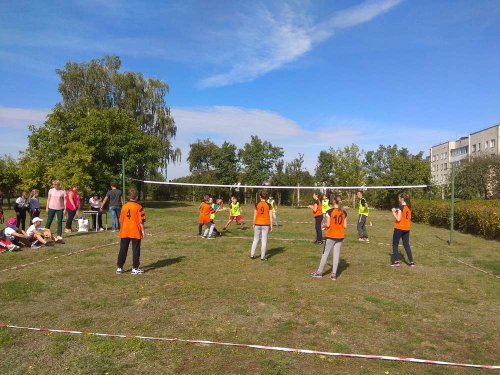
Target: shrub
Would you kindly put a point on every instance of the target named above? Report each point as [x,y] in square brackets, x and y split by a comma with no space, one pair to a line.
[477,217]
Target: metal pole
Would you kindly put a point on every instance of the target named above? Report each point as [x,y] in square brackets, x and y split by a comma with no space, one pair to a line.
[298,195]
[452,209]
[123,177]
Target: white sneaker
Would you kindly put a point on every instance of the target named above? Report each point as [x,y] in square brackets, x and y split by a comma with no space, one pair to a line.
[137,271]
[11,247]
[101,229]
[119,270]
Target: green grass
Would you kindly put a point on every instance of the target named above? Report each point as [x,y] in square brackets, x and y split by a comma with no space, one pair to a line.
[198,289]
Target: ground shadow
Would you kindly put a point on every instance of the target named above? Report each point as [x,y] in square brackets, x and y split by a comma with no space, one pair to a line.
[275,251]
[343,265]
[164,204]
[163,263]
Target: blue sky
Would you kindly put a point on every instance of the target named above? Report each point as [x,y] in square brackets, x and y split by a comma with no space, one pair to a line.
[306,75]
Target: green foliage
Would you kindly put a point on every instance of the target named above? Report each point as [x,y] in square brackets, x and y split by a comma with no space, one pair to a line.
[9,175]
[472,216]
[341,167]
[258,159]
[479,177]
[390,166]
[105,116]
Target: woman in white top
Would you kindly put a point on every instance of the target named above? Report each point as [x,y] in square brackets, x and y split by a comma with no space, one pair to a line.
[21,207]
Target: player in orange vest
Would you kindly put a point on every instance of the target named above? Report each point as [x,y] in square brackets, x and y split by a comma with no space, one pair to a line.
[132,218]
[262,225]
[402,223]
[336,222]
[317,212]
[204,217]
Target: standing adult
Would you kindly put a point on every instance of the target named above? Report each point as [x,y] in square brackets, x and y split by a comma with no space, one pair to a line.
[115,205]
[362,216]
[56,206]
[72,206]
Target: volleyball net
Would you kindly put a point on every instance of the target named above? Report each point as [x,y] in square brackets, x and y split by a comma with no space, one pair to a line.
[283,195]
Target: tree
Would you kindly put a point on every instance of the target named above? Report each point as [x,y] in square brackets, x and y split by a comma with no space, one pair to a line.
[201,155]
[9,176]
[391,166]
[259,159]
[108,115]
[479,177]
[226,164]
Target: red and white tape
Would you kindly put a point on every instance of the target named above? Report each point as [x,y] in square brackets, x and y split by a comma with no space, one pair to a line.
[260,347]
[56,257]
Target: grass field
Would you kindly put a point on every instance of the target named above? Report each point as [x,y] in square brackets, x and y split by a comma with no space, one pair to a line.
[199,289]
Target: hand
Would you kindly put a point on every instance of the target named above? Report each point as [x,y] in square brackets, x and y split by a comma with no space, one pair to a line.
[393,210]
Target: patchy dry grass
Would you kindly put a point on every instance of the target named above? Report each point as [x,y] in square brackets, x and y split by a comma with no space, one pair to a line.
[198,289]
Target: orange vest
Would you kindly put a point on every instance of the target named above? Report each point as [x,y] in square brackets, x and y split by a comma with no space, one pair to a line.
[262,218]
[319,210]
[131,217]
[336,229]
[405,222]
[205,211]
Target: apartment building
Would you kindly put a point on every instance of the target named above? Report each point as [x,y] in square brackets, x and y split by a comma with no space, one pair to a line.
[443,155]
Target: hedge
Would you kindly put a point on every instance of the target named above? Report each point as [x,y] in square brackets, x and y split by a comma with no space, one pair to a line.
[477,217]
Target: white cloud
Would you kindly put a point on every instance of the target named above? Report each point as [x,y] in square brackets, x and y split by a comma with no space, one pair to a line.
[20,118]
[267,41]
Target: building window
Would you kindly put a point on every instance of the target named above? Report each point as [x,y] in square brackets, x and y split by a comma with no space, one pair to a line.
[479,146]
[473,148]
[492,143]
[486,144]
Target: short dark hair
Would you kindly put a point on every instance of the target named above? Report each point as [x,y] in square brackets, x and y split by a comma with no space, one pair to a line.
[133,193]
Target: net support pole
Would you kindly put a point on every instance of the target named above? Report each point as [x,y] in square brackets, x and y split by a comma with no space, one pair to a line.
[298,195]
[123,177]
[452,204]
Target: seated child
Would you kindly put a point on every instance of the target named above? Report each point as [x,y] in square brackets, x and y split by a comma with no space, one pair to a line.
[38,235]
[14,234]
[5,243]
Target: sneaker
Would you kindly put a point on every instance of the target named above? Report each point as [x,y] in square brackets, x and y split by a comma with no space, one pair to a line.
[316,275]
[210,238]
[361,239]
[203,237]
[367,240]
[263,259]
[101,229]
[119,270]
[252,257]
[412,264]
[11,247]
[66,230]
[333,276]
[396,264]
[35,247]
[137,271]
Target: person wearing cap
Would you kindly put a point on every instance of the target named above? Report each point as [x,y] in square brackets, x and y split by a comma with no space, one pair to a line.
[14,234]
[38,235]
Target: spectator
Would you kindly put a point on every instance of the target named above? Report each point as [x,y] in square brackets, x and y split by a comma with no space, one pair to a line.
[72,206]
[39,235]
[21,207]
[14,234]
[34,204]
[95,205]
[56,206]
[115,204]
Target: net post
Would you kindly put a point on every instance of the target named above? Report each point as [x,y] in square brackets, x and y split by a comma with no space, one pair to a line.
[123,176]
[452,204]
[298,195]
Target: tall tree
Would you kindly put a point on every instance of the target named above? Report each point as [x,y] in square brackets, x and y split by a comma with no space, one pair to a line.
[108,115]
[341,167]
[259,159]
[479,177]
[9,176]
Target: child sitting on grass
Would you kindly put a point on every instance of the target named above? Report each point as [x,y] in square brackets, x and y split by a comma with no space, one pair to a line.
[39,235]
[15,235]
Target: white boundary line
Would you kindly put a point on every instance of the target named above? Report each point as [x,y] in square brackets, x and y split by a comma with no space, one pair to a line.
[260,347]
[57,256]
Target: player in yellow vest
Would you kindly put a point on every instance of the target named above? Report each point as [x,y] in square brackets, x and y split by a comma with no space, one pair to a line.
[274,208]
[362,216]
[234,212]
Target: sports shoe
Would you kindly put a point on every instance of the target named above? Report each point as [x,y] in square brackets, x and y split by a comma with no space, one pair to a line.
[35,247]
[316,275]
[412,264]
[263,259]
[333,276]
[367,240]
[361,239]
[210,238]
[396,264]
[101,229]
[66,230]
[119,270]
[137,271]
[11,247]
[252,257]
